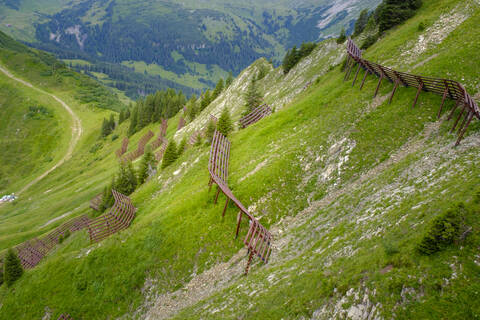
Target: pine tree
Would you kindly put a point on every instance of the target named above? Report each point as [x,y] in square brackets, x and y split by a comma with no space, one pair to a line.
[133,122]
[148,162]
[218,89]
[343,36]
[105,128]
[181,147]
[170,154]
[205,100]
[121,117]
[107,197]
[126,180]
[253,98]
[229,80]
[225,125]
[111,122]
[12,268]
[361,22]
[211,127]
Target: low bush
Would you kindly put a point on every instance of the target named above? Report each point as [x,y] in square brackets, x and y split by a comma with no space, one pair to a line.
[444,231]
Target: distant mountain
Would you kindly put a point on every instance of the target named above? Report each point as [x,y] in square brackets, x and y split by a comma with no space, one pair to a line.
[190,43]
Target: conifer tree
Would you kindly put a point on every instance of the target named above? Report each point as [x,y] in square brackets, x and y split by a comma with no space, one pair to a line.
[181,147]
[225,125]
[121,117]
[229,80]
[12,268]
[211,127]
[105,128]
[170,154]
[218,89]
[107,197]
[133,122]
[111,122]
[343,36]
[361,22]
[126,180]
[148,162]
[253,98]
[205,100]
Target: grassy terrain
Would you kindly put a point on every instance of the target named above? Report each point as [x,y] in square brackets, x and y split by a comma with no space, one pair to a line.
[191,79]
[348,186]
[34,130]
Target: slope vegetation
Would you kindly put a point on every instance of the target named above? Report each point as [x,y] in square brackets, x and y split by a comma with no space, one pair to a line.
[348,185]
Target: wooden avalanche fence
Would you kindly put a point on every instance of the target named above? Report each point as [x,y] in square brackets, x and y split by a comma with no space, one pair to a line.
[258,239]
[163,127]
[65,317]
[181,123]
[446,88]
[141,147]
[256,115]
[31,252]
[120,152]
[194,137]
[118,218]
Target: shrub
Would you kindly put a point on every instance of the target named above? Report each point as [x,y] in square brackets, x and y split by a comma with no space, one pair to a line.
[421,26]
[97,146]
[443,231]
[13,268]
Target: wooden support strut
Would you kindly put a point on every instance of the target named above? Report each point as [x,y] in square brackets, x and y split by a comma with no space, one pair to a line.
[364,78]
[356,75]
[347,65]
[225,208]
[393,92]
[458,119]
[418,94]
[443,102]
[378,85]
[453,110]
[216,196]
[250,257]
[239,220]
[460,136]
[350,67]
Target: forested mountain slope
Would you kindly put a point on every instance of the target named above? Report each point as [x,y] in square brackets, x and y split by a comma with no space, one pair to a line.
[353,189]
[188,44]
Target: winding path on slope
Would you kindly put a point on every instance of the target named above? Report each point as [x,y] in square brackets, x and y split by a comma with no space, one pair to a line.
[76,129]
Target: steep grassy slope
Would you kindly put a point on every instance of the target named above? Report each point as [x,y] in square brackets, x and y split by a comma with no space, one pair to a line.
[347,184]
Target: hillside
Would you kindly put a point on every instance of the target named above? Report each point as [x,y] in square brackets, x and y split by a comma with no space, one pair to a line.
[181,44]
[349,185]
